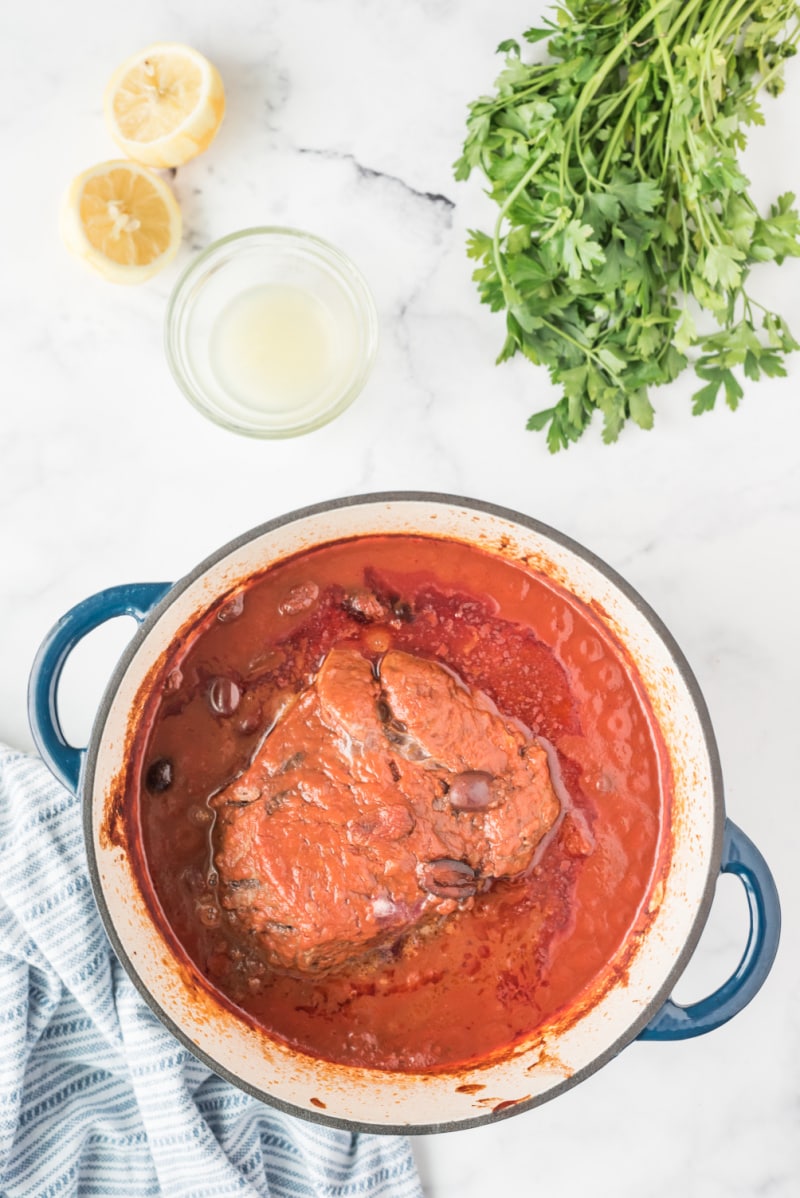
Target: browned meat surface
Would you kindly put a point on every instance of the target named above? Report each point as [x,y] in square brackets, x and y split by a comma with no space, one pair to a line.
[376,802]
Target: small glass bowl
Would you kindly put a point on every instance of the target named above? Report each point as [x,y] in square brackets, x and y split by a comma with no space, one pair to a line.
[283,269]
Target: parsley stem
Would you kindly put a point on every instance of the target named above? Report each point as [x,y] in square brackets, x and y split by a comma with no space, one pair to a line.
[612,145]
[543,76]
[688,15]
[695,209]
[750,300]
[572,139]
[589,91]
[729,19]
[665,55]
[637,143]
[719,31]
[532,170]
[589,353]
[601,121]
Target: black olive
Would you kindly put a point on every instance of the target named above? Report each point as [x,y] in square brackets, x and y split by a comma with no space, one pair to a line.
[447,878]
[223,696]
[402,611]
[232,609]
[471,791]
[159,776]
[393,736]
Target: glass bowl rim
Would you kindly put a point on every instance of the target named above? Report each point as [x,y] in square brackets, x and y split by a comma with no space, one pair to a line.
[345,270]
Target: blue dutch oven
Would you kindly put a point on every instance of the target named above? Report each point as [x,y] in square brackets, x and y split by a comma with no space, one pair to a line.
[705,843]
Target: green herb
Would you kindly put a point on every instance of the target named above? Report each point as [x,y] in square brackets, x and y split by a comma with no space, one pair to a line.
[625,221]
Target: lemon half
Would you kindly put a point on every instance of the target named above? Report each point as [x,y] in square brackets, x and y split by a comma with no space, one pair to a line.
[121,219]
[164,105]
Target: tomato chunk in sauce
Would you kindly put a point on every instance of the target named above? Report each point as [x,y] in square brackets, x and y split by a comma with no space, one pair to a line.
[510,933]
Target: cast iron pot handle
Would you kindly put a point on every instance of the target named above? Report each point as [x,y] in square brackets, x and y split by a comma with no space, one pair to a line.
[134,599]
[741,857]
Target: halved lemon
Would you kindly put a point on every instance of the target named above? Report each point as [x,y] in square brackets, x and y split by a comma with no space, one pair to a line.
[121,219]
[164,105]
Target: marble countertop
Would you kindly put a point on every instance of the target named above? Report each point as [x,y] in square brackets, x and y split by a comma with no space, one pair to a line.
[344,117]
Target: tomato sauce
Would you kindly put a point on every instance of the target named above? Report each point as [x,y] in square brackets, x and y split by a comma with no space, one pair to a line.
[529,948]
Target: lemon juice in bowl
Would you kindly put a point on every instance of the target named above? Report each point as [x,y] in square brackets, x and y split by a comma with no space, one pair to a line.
[271,332]
[279,349]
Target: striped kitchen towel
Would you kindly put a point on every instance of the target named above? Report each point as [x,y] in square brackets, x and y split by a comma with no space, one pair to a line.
[96,1097]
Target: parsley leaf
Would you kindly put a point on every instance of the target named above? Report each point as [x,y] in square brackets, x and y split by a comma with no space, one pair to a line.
[623,211]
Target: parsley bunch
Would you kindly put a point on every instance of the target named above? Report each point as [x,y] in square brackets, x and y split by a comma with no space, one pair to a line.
[624,214]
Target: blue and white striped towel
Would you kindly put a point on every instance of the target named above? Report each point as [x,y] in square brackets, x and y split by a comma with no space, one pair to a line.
[96,1097]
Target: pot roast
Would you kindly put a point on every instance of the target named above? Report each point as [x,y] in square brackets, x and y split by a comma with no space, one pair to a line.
[384,797]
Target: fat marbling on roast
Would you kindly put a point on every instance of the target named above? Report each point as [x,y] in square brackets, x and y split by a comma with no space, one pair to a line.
[384,796]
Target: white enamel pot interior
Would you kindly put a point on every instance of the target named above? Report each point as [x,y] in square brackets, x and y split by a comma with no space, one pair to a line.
[550,1061]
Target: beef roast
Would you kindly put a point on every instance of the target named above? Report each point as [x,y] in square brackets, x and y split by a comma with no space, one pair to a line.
[381,798]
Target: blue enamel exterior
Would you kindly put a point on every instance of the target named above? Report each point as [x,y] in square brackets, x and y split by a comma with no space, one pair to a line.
[740,857]
[135,599]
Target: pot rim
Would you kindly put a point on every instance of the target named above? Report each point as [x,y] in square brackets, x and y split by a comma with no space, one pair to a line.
[682,666]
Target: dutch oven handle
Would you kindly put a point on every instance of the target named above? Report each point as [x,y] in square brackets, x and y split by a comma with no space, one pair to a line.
[133,599]
[741,857]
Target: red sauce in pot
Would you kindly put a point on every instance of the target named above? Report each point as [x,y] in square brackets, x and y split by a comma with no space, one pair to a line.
[527,949]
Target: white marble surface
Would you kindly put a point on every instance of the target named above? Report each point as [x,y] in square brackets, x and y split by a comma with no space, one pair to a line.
[344,118]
